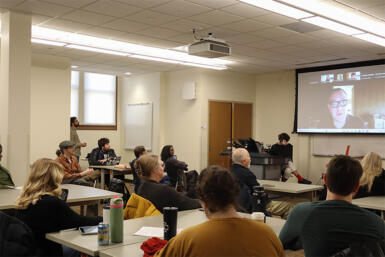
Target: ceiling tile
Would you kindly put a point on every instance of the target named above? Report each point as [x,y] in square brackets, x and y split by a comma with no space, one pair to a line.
[185,26]
[315,44]
[294,39]
[10,3]
[144,3]
[158,32]
[45,49]
[247,25]
[186,38]
[272,33]
[217,32]
[87,17]
[70,3]
[216,18]
[164,44]
[377,11]
[43,8]
[264,44]
[103,58]
[37,19]
[243,38]
[112,8]
[245,10]
[125,25]
[275,19]
[324,34]
[76,54]
[181,8]
[215,4]
[151,17]
[65,25]
[359,4]
[103,32]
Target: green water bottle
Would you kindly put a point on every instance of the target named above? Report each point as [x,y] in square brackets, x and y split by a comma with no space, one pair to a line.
[116,220]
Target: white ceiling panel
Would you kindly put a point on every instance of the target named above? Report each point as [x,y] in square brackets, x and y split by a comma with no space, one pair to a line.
[216,17]
[151,17]
[70,3]
[215,4]
[185,26]
[126,25]
[181,8]
[65,25]
[271,33]
[103,32]
[360,4]
[265,44]
[37,19]
[42,8]
[275,19]
[245,10]
[10,3]
[87,17]
[158,32]
[112,8]
[144,3]
[247,25]
[243,39]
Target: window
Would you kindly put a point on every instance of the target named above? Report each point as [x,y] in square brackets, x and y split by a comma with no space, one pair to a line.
[94,100]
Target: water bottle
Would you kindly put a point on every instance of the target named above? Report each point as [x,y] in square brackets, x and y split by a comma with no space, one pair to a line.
[106,214]
[116,220]
[170,219]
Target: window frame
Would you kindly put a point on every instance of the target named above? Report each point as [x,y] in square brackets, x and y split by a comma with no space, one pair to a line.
[101,127]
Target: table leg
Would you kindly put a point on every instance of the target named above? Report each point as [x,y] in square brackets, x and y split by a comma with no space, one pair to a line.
[102,179]
[111,175]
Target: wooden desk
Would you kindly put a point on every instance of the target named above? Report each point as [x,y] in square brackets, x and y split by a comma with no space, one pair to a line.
[292,189]
[372,202]
[109,169]
[89,245]
[78,195]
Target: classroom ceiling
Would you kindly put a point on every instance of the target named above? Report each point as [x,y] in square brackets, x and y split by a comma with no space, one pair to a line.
[261,41]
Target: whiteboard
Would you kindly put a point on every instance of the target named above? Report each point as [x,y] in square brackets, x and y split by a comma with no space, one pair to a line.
[138,125]
[330,145]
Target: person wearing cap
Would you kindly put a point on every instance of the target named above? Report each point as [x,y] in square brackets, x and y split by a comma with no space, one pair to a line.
[73,173]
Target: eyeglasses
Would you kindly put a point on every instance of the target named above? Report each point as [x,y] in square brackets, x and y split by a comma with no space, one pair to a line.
[341,103]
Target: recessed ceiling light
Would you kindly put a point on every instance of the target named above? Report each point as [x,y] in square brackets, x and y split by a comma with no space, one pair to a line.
[98,50]
[74,66]
[128,73]
[371,38]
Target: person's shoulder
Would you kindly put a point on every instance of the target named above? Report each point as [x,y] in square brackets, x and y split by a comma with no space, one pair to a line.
[304,208]
[50,201]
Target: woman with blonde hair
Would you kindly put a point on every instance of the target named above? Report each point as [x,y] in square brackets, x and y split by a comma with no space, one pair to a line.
[372,181]
[151,169]
[40,207]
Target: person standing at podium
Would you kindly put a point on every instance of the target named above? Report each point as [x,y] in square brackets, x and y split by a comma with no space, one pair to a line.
[284,149]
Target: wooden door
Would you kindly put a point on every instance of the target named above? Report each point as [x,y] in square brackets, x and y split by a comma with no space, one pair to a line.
[242,121]
[219,130]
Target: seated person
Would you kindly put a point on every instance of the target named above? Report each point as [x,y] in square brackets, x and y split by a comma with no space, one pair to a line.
[40,207]
[338,115]
[167,152]
[73,173]
[101,154]
[150,168]
[5,176]
[284,149]
[325,228]
[244,176]
[225,233]
[138,151]
[372,181]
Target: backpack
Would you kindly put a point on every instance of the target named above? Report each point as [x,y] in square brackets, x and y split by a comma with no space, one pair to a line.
[118,186]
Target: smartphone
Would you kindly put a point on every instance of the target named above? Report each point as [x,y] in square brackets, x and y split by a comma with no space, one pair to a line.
[64,194]
[90,230]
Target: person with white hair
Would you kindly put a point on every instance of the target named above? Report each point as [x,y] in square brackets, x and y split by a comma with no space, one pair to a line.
[241,169]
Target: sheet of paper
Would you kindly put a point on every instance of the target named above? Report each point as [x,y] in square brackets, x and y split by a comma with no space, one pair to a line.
[152,232]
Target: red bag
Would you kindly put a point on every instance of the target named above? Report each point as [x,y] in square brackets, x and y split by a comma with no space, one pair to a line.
[152,245]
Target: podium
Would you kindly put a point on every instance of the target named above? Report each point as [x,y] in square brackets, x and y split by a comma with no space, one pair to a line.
[266,166]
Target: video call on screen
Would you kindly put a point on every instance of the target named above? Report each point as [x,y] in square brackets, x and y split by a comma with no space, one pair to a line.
[350,100]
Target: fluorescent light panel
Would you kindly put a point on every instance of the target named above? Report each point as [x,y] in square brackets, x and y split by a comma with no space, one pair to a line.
[127,73]
[74,66]
[340,13]
[328,24]
[47,42]
[279,8]
[371,38]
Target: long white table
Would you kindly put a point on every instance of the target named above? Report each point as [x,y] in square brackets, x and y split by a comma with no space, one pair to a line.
[77,195]
[372,202]
[89,245]
[111,170]
[292,189]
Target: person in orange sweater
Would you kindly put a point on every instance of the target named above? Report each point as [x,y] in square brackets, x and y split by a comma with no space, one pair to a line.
[226,233]
[73,173]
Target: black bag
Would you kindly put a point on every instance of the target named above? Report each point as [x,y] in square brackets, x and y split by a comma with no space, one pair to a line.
[118,186]
[367,248]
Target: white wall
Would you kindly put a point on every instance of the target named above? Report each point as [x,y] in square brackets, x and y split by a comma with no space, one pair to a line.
[275,103]
[135,90]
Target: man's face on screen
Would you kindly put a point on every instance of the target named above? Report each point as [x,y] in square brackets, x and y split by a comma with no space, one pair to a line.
[337,106]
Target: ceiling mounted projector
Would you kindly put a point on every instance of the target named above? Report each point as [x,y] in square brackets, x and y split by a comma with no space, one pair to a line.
[209,47]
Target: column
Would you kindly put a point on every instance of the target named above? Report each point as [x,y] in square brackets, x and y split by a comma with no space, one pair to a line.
[15,93]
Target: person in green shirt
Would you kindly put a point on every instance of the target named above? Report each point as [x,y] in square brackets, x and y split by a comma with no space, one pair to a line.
[5,176]
[328,227]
